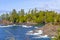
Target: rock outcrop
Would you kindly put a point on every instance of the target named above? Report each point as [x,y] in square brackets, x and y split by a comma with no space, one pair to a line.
[49,29]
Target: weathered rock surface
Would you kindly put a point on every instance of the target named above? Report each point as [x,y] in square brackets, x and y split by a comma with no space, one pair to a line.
[49,29]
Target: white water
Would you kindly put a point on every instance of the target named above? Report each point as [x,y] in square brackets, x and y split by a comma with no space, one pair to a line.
[36,27]
[39,32]
[26,26]
[4,26]
[15,25]
[7,26]
[40,36]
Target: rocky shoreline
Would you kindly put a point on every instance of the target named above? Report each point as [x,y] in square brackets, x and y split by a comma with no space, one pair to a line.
[4,22]
[48,30]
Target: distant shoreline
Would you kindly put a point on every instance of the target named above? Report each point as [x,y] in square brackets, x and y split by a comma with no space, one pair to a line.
[28,24]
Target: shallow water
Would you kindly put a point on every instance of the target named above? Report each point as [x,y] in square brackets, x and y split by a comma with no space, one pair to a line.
[17,33]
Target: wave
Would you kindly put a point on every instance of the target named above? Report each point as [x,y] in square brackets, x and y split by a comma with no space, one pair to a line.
[29,33]
[37,32]
[40,36]
[36,27]
[6,26]
[15,25]
[26,26]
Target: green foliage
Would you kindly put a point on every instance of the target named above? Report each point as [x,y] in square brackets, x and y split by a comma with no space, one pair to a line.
[33,16]
[14,16]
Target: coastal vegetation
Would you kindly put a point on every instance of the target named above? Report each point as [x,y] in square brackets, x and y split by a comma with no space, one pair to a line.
[32,16]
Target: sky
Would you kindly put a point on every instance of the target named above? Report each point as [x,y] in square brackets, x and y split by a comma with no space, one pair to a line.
[8,5]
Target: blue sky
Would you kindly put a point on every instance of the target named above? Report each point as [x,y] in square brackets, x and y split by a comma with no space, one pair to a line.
[8,5]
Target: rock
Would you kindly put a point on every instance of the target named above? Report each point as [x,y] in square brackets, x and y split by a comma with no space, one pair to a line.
[49,29]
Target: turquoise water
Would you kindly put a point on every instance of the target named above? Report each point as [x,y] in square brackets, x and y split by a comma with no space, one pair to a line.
[17,33]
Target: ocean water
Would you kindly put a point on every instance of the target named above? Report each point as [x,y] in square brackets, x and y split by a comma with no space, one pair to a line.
[17,33]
